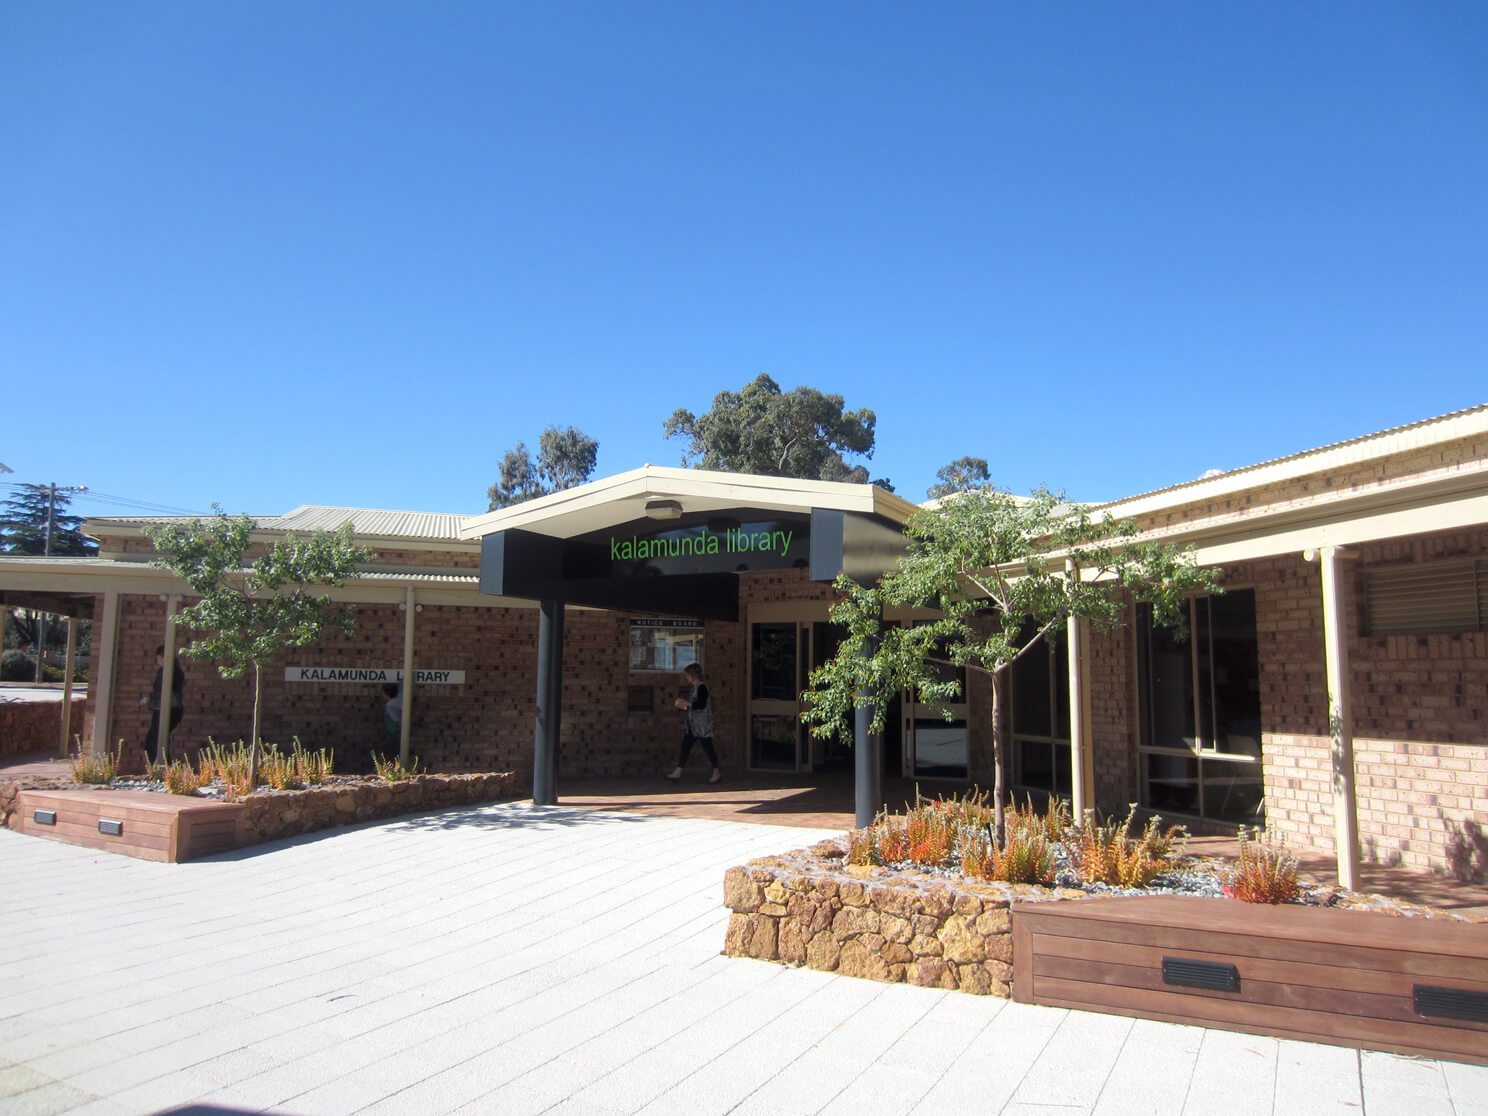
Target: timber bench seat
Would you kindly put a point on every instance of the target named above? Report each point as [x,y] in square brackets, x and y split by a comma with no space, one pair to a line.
[164,827]
[1350,978]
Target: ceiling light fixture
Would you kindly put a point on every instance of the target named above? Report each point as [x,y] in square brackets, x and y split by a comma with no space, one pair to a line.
[663,509]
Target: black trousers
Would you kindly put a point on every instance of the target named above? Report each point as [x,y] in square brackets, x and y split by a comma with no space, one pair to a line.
[152,742]
[689,740]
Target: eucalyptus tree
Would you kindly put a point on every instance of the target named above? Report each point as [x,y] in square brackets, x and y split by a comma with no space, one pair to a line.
[801,433]
[565,458]
[1002,573]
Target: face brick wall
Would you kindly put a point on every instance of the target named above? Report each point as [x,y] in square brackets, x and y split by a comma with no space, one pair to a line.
[1420,718]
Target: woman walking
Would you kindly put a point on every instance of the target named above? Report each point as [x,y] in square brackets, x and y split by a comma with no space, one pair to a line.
[699,706]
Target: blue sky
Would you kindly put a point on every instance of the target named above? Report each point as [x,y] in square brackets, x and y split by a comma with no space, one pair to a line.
[277,253]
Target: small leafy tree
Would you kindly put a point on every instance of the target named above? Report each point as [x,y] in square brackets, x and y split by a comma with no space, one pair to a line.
[250,611]
[1004,572]
[762,430]
[565,458]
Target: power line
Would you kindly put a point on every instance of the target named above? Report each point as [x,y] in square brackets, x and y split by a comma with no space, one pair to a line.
[118,501]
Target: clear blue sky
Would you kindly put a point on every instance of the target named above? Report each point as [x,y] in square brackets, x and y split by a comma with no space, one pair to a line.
[273,253]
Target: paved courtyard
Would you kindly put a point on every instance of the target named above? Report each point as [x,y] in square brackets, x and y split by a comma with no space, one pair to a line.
[514,959]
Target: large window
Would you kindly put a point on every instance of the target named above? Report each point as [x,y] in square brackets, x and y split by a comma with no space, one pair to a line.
[1200,711]
[1041,719]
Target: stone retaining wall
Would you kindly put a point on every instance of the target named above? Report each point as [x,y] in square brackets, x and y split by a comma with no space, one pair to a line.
[809,908]
[270,815]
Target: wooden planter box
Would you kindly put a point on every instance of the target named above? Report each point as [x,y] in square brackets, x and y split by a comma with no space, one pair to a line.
[164,827]
[174,828]
[1350,978]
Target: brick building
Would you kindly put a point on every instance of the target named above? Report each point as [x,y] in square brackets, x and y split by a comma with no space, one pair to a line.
[1346,660]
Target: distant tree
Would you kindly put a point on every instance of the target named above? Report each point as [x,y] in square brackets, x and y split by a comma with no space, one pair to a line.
[23,524]
[1004,573]
[962,474]
[762,430]
[565,458]
[250,611]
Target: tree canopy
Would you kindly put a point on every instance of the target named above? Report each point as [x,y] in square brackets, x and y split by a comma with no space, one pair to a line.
[1002,572]
[250,611]
[962,474]
[565,458]
[802,433]
[23,520]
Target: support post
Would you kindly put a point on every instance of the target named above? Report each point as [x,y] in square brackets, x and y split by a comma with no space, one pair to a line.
[1340,715]
[167,679]
[405,725]
[546,729]
[101,671]
[70,669]
[867,753]
[1082,791]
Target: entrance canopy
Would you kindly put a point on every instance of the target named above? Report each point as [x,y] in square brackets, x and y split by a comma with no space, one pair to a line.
[675,540]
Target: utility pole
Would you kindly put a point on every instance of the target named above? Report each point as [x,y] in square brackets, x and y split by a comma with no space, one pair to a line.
[46,550]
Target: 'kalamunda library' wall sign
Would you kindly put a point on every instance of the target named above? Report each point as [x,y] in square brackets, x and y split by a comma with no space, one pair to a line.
[642,549]
[372,674]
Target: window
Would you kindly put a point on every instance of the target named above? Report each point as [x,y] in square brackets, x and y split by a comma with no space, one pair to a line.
[1041,718]
[1433,597]
[1200,711]
[667,645]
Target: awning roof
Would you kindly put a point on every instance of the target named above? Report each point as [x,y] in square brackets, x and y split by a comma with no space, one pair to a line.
[622,499]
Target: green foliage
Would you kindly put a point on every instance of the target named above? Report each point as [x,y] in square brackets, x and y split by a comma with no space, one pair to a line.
[392,770]
[1001,572]
[1264,872]
[960,475]
[762,430]
[23,523]
[565,458]
[251,610]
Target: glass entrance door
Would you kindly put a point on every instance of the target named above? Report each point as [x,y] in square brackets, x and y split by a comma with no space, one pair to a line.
[783,651]
[775,667]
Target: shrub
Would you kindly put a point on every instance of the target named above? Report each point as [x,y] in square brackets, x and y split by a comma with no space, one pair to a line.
[930,833]
[180,779]
[974,843]
[228,766]
[392,770]
[1108,853]
[17,666]
[1264,873]
[97,768]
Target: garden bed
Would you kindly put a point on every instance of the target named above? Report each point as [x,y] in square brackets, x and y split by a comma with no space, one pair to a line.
[938,929]
[158,826]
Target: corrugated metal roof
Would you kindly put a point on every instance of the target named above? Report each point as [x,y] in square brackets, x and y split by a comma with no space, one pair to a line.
[385,574]
[1304,459]
[373,523]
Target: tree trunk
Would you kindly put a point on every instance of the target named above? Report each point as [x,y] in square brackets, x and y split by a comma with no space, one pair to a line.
[1000,750]
[253,743]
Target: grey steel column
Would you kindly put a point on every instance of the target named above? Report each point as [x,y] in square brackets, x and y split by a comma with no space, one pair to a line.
[549,704]
[867,754]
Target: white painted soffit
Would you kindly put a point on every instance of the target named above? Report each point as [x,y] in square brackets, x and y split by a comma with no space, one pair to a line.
[623,498]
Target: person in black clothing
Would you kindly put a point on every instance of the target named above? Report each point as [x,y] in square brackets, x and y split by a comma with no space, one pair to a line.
[178,704]
[698,705]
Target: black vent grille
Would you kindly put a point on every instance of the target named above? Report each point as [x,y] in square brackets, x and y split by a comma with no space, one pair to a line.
[1450,1003]
[111,828]
[1201,974]
[44,817]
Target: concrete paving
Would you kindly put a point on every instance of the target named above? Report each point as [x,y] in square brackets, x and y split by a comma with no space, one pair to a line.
[514,959]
